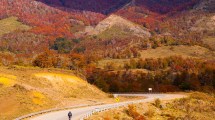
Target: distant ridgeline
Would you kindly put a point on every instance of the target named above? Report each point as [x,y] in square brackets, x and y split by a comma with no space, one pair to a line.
[121,4]
[104,7]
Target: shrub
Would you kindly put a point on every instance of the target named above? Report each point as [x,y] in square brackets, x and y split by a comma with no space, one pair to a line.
[107,118]
[189,111]
[80,49]
[150,112]
[134,114]
[132,111]
[110,96]
[116,116]
[62,45]
[157,103]
[76,40]
[45,60]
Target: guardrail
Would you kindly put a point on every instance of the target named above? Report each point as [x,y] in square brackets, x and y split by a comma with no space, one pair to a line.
[117,105]
[87,115]
[136,93]
[108,108]
[52,110]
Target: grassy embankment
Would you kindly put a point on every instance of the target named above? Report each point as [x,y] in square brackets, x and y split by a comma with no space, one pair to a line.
[197,106]
[25,90]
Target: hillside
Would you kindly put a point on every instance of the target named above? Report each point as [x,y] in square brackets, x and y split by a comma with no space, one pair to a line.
[165,51]
[205,5]
[52,22]
[25,90]
[120,23]
[116,34]
[165,6]
[101,6]
[29,12]
[133,29]
[138,11]
[108,6]
[206,23]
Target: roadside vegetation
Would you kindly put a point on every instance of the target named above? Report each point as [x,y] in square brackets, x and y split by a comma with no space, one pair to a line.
[24,90]
[196,106]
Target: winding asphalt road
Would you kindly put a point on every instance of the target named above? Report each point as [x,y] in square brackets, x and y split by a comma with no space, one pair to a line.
[80,112]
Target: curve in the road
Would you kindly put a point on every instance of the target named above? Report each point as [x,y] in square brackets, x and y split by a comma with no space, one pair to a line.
[78,113]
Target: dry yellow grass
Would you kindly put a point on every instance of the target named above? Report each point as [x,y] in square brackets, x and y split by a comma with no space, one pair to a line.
[60,77]
[8,76]
[115,62]
[24,90]
[7,80]
[38,98]
[198,106]
[165,51]
[210,41]
[11,24]
[71,85]
[181,50]
[33,89]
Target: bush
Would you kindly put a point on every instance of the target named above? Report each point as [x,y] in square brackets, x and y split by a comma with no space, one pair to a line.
[45,60]
[134,114]
[80,49]
[76,41]
[107,118]
[62,45]
[157,103]
[150,113]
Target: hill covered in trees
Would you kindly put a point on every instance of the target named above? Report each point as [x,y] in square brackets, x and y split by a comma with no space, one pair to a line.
[105,6]
[77,35]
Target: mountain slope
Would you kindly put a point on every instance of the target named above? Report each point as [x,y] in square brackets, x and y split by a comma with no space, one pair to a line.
[109,6]
[165,6]
[123,24]
[45,19]
[102,6]
[206,5]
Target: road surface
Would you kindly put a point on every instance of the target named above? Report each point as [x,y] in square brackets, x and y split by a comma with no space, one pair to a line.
[80,112]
